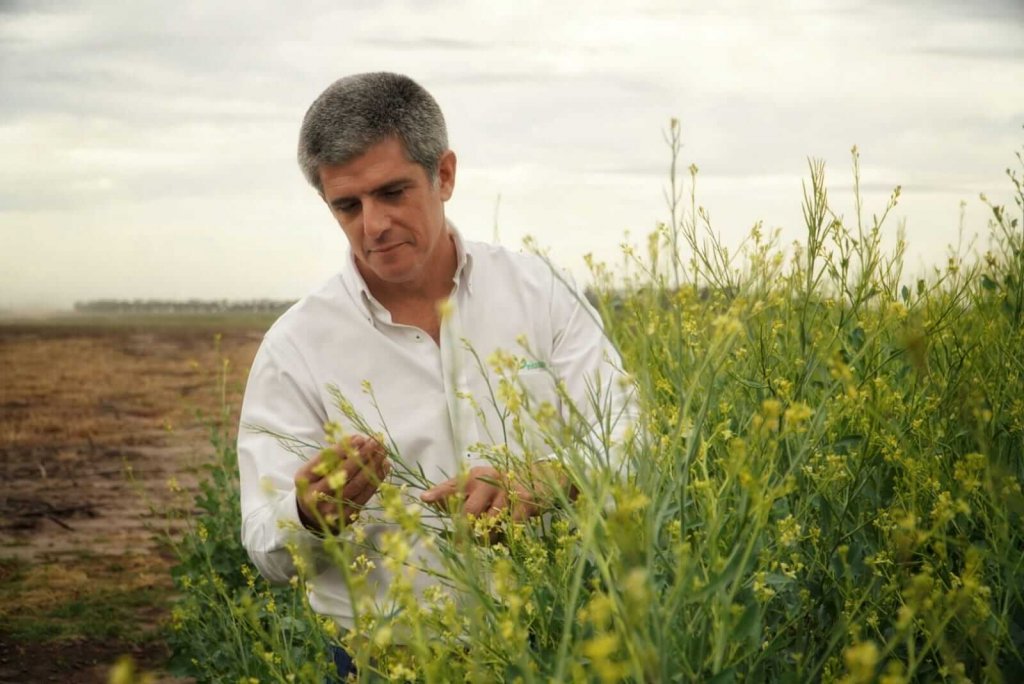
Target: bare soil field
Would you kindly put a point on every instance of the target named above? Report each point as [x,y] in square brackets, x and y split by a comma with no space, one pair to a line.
[99,420]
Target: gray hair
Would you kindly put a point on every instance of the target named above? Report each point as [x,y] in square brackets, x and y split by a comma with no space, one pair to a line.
[357,112]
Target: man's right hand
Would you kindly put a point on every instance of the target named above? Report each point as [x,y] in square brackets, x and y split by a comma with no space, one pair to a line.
[334,486]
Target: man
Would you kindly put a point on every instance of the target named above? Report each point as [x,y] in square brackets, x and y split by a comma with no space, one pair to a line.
[410,316]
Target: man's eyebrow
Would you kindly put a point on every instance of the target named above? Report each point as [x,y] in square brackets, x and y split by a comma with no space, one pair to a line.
[396,184]
[339,202]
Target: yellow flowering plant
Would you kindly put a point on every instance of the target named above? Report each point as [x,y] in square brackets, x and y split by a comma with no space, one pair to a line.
[824,482]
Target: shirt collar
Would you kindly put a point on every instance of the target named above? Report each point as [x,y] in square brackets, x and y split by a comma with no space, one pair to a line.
[357,287]
[464,269]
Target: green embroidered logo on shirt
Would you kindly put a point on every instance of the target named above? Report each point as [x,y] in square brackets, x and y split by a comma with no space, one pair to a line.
[532,365]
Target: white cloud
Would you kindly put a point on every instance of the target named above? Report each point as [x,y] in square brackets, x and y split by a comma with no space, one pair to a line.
[149,147]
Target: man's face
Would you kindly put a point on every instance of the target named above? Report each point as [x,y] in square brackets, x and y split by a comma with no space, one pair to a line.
[391,212]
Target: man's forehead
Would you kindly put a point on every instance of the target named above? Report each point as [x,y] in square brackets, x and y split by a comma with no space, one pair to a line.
[392,144]
[382,163]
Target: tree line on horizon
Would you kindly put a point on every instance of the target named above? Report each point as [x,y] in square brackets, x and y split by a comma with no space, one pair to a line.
[182,306]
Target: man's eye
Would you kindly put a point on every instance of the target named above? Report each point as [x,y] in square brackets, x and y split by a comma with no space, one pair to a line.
[348,207]
[394,193]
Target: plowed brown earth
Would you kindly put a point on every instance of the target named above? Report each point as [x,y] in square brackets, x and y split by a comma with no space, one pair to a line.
[96,417]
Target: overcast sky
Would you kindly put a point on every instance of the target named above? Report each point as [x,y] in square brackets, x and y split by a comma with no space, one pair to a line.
[148,148]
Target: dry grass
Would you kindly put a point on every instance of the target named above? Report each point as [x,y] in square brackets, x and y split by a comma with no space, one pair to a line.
[95,419]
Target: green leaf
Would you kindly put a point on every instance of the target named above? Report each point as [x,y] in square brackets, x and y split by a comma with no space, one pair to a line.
[857,337]
[749,625]
[724,677]
[847,443]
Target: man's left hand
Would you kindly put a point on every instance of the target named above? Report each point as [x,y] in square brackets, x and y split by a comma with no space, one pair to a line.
[486,491]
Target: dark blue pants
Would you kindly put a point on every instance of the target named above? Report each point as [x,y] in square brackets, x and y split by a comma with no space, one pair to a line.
[342,663]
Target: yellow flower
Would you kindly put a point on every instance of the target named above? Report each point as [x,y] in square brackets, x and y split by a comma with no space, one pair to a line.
[761,589]
[727,326]
[797,414]
[337,479]
[330,627]
[861,660]
[509,395]
[250,578]
[401,673]
[789,531]
[123,672]
[382,637]
[602,646]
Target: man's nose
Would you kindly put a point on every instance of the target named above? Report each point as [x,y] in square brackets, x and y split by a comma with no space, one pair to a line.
[376,220]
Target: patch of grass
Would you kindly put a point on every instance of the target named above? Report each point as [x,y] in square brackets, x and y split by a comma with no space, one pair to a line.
[103,615]
[87,598]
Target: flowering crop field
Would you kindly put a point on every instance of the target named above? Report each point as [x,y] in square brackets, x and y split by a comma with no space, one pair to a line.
[824,484]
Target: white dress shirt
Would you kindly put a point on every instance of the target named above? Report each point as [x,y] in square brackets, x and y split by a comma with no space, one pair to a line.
[341,336]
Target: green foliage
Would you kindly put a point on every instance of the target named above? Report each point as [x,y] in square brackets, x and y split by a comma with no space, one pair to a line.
[228,624]
[825,484]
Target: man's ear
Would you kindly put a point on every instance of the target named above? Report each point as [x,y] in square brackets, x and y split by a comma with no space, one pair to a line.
[446,174]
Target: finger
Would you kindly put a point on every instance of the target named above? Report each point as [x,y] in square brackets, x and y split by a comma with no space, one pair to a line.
[499,503]
[378,464]
[336,482]
[333,504]
[363,474]
[380,473]
[328,507]
[362,496]
[524,506]
[365,477]
[309,497]
[369,448]
[480,498]
[522,511]
[352,467]
[439,494]
[307,472]
[327,504]
[349,446]
[351,508]
[365,451]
